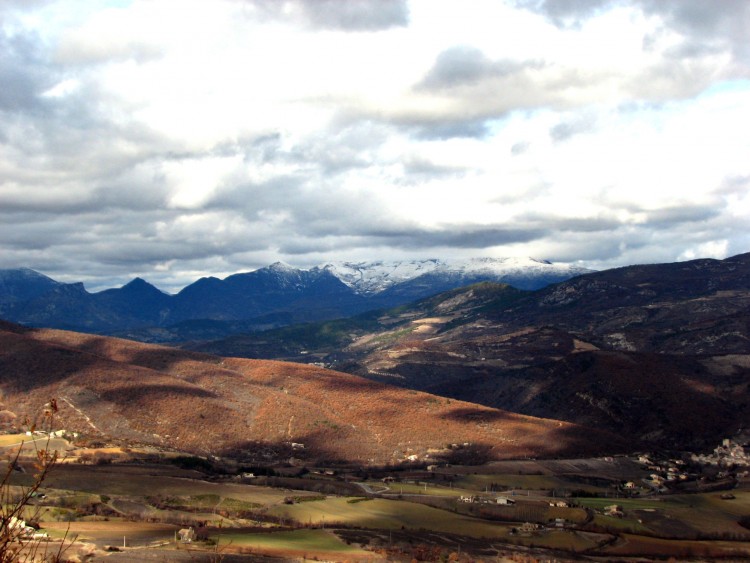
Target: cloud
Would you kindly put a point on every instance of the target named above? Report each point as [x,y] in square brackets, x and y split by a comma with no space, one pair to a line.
[136,139]
[566,12]
[23,72]
[577,124]
[352,15]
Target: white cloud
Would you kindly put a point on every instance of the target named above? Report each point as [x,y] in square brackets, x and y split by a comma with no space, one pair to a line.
[144,138]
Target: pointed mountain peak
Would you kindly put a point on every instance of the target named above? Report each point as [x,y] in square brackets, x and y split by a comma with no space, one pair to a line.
[281,267]
[139,284]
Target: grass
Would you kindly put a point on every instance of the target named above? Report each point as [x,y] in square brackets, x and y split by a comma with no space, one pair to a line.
[626,503]
[112,532]
[13,439]
[145,481]
[557,539]
[388,514]
[638,545]
[414,488]
[291,541]
[528,482]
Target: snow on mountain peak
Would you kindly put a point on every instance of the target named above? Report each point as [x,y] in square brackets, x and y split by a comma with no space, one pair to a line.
[374,277]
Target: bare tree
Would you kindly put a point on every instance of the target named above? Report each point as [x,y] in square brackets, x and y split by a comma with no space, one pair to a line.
[18,543]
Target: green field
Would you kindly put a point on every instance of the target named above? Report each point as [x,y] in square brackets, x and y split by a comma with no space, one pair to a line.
[151,481]
[417,489]
[388,514]
[299,541]
[510,481]
[626,503]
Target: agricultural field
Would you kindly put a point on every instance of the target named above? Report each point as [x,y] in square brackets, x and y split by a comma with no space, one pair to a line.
[295,543]
[143,505]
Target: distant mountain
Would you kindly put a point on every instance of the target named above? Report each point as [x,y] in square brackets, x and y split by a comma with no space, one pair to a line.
[311,294]
[255,411]
[372,278]
[659,353]
[23,284]
[273,296]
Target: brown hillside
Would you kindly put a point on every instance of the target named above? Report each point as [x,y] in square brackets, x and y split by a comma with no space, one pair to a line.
[252,408]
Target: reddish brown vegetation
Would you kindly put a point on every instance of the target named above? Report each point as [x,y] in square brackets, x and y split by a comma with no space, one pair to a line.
[188,401]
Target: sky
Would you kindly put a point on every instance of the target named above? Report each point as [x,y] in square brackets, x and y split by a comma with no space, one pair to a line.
[173,140]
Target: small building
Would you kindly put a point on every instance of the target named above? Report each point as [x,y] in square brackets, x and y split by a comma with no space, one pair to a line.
[529,527]
[504,500]
[559,503]
[613,510]
[186,535]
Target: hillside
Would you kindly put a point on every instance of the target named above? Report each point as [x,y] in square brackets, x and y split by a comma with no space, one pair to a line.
[255,410]
[659,353]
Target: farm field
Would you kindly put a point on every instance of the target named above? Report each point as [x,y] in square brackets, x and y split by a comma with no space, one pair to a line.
[113,532]
[632,545]
[388,514]
[296,543]
[146,503]
[154,480]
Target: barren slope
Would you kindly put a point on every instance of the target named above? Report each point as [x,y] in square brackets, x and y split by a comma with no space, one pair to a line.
[253,408]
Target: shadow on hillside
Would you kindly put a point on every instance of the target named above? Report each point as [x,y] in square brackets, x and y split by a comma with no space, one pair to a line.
[142,394]
[546,439]
[29,360]
[478,415]
[6,326]
[315,446]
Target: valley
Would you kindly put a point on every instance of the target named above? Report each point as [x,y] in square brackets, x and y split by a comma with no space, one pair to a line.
[126,503]
[600,418]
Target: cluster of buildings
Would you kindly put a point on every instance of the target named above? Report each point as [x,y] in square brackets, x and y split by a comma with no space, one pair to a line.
[662,472]
[486,500]
[728,454]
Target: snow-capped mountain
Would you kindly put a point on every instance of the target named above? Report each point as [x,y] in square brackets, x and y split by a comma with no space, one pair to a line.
[276,295]
[370,278]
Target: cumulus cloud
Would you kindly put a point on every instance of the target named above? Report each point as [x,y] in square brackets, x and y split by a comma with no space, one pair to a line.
[141,139]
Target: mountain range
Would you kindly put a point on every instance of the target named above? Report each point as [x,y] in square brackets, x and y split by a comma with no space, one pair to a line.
[659,353]
[273,296]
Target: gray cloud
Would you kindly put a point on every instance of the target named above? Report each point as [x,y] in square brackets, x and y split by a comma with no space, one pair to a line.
[24,74]
[86,192]
[469,128]
[706,24]
[467,66]
[566,12]
[571,126]
[357,15]
[419,239]
[341,15]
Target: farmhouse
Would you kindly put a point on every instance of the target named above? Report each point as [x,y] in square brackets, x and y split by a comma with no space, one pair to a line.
[187,535]
[613,510]
[504,500]
[559,503]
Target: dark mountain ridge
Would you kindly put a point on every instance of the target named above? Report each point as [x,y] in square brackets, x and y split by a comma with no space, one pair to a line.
[277,295]
[659,353]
